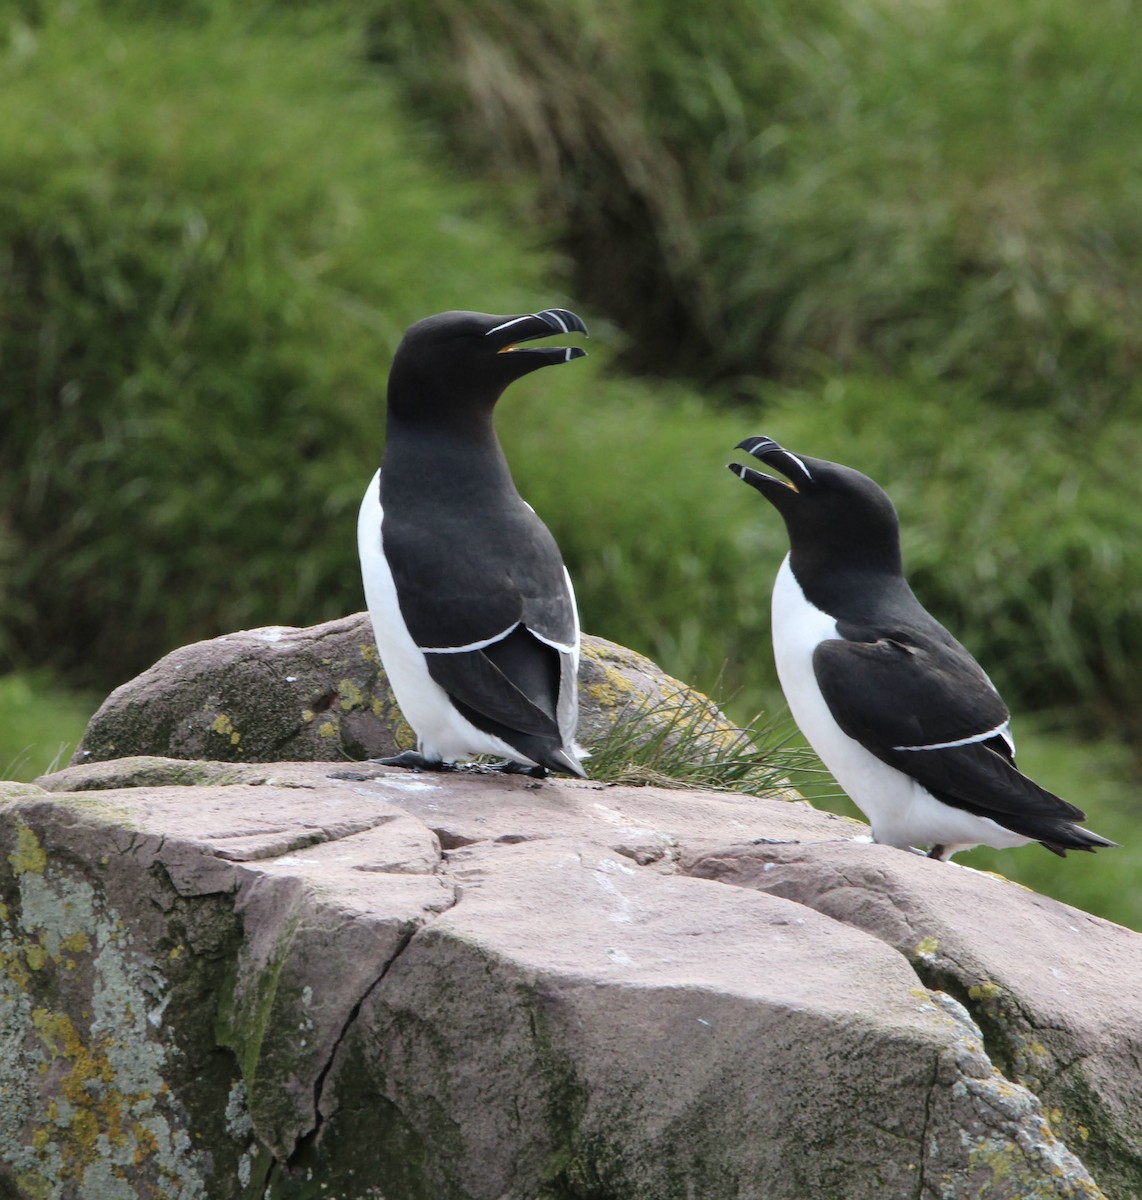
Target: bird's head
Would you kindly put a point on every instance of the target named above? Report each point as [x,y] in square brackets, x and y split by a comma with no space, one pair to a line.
[458,362]
[834,514]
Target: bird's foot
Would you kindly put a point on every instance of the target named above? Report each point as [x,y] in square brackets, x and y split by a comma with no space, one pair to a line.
[509,766]
[413,760]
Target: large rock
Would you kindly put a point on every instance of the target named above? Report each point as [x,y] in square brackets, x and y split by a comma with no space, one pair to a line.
[320,694]
[222,980]
[1041,978]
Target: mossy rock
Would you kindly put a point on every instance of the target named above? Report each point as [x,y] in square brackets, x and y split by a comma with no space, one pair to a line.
[320,694]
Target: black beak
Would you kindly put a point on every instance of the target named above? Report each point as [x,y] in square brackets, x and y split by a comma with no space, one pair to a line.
[769,452]
[514,330]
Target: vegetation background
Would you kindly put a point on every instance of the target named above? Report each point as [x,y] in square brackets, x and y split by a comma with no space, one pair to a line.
[904,237]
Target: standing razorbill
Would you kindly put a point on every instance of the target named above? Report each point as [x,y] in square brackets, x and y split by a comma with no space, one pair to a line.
[901,714]
[471,605]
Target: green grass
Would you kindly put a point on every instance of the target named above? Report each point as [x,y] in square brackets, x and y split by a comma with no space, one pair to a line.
[206,289]
[41,724]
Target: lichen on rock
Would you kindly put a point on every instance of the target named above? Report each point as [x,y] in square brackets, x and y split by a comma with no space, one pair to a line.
[87,1110]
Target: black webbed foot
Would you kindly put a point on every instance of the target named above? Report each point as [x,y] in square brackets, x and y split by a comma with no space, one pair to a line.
[509,766]
[413,760]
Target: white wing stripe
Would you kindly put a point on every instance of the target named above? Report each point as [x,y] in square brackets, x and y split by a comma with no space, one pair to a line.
[562,647]
[480,645]
[998,731]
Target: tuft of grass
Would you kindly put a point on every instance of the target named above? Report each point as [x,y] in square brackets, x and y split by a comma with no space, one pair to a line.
[685,744]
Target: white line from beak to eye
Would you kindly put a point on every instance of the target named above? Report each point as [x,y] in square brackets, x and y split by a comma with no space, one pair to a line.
[507,324]
[800,464]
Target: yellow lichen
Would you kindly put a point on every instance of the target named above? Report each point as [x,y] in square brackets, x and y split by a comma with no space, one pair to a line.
[95,1107]
[146,1144]
[350,694]
[35,956]
[369,652]
[614,690]
[327,729]
[225,727]
[926,948]
[76,942]
[403,733]
[29,857]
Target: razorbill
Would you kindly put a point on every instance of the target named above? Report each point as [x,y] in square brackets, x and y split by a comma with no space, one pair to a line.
[902,715]
[472,608]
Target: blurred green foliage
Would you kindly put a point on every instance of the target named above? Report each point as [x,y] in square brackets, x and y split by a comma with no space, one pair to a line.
[955,186]
[211,240]
[905,239]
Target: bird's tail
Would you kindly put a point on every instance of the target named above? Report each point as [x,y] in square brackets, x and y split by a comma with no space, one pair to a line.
[565,760]
[1066,836]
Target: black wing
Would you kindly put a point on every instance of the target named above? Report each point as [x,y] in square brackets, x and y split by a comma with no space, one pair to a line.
[895,692]
[455,590]
[929,711]
[520,689]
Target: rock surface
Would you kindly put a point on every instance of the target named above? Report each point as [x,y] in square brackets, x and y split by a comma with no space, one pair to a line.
[320,694]
[224,980]
[1046,983]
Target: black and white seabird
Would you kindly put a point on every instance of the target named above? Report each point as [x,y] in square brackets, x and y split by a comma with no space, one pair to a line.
[902,715]
[472,608]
